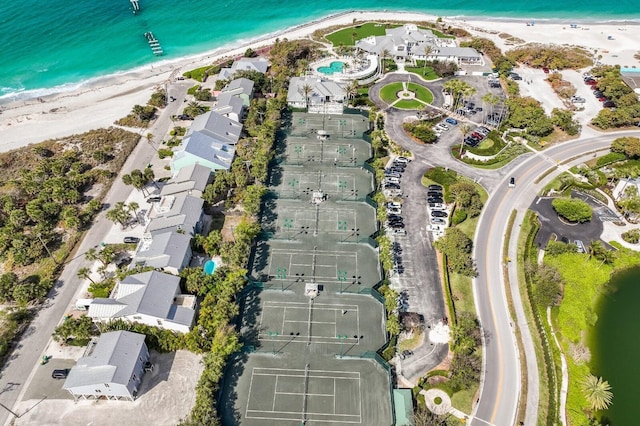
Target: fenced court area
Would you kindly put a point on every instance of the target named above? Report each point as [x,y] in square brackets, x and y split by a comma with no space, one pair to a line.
[344,184]
[338,126]
[325,391]
[344,325]
[285,266]
[331,222]
[311,323]
[334,151]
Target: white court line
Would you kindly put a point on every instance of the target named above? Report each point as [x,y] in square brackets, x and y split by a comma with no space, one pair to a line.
[275,394]
[246,411]
[308,394]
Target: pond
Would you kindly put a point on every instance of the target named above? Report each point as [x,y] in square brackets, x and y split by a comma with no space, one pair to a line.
[615,345]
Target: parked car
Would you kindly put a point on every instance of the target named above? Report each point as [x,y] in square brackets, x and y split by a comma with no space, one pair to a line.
[437,206]
[483,130]
[434,188]
[438,221]
[451,121]
[390,179]
[545,70]
[438,213]
[396,225]
[391,186]
[589,81]
[602,98]
[394,210]
[131,240]
[154,199]
[60,374]
[394,204]
[609,104]
[435,200]
[388,173]
[442,126]
[404,160]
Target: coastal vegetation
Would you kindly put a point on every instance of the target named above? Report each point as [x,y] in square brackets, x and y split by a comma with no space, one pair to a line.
[551,56]
[49,196]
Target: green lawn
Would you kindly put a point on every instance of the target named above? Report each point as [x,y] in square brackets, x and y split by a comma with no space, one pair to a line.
[408,104]
[348,36]
[421,92]
[427,73]
[388,92]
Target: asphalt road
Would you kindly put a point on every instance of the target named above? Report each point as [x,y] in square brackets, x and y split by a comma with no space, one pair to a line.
[26,356]
[501,387]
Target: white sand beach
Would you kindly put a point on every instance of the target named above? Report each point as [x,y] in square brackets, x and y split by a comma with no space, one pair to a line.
[103,101]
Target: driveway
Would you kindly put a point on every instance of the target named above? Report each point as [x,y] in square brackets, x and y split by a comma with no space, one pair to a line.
[420,277]
[551,223]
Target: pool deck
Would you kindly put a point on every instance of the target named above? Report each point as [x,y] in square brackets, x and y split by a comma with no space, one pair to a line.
[354,71]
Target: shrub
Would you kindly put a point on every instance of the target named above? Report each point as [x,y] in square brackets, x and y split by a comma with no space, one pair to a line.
[458,216]
[612,157]
[574,210]
[632,236]
[165,152]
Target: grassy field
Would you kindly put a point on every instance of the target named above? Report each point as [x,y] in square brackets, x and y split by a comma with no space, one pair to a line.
[348,36]
[408,104]
[389,92]
[427,73]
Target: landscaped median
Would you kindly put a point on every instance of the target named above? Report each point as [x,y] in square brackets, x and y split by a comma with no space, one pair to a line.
[403,95]
[460,380]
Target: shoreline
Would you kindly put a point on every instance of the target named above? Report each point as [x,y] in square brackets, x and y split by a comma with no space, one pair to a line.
[9,98]
[99,101]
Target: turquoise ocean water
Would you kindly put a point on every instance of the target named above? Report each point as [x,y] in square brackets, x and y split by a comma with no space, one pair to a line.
[53,43]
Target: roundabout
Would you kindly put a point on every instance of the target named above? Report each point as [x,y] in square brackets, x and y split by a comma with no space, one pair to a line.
[406,95]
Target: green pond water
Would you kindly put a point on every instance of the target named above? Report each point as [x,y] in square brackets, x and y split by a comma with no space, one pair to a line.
[615,346]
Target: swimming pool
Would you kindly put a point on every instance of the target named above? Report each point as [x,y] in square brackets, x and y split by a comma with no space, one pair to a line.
[333,67]
[209,267]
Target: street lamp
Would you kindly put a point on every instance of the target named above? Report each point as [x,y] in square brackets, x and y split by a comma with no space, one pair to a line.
[46,248]
[273,334]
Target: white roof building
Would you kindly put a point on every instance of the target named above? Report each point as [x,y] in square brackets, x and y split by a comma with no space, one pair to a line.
[409,42]
[324,96]
[259,64]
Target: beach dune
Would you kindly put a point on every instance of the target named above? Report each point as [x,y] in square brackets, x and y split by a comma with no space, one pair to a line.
[101,102]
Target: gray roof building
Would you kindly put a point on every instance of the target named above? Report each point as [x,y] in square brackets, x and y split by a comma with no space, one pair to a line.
[191,180]
[234,98]
[245,64]
[169,251]
[177,212]
[151,298]
[112,367]
[215,125]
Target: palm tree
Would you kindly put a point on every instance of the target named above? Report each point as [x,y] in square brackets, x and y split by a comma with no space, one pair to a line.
[384,54]
[306,91]
[85,273]
[352,90]
[133,208]
[427,52]
[465,128]
[597,392]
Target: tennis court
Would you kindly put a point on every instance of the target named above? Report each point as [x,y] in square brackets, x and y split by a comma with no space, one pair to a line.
[338,126]
[337,222]
[285,266]
[345,184]
[335,152]
[324,391]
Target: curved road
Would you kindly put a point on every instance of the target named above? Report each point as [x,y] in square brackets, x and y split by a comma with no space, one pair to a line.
[500,389]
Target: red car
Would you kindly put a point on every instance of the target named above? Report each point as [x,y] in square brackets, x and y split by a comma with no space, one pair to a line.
[590,81]
[546,70]
[602,99]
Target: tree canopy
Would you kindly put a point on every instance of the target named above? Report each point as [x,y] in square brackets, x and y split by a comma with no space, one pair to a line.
[572,209]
